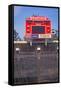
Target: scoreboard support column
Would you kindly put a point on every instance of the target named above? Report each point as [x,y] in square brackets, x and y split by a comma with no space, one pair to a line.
[45,42]
[30,43]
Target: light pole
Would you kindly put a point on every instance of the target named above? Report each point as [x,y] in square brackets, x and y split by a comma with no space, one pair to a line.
[38,53]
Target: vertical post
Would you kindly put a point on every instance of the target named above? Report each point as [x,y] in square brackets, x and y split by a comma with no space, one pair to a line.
[38,53]
[30,43]
[45,42]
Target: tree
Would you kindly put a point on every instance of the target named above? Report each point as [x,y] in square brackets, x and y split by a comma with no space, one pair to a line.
[55,34]
[16,36]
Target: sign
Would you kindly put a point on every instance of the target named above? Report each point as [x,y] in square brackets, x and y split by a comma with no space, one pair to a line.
[38,18]
[34,36]
[44,36]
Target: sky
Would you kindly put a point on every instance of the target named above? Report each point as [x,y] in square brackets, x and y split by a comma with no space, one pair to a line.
[21,13]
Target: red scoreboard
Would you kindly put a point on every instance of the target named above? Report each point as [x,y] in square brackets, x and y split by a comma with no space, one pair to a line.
[38,27]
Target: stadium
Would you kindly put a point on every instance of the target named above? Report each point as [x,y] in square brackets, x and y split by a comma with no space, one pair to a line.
[36,57]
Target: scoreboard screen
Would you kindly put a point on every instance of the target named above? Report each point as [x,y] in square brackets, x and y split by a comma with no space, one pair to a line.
[38,29]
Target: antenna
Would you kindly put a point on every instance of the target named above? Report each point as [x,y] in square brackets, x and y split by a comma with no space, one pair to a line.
[38,14]
[33,14]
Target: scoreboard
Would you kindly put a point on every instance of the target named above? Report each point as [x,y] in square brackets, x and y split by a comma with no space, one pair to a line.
[38,27]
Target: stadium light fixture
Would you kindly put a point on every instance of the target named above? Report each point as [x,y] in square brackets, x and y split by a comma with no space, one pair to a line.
[38,48]
[17,49]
